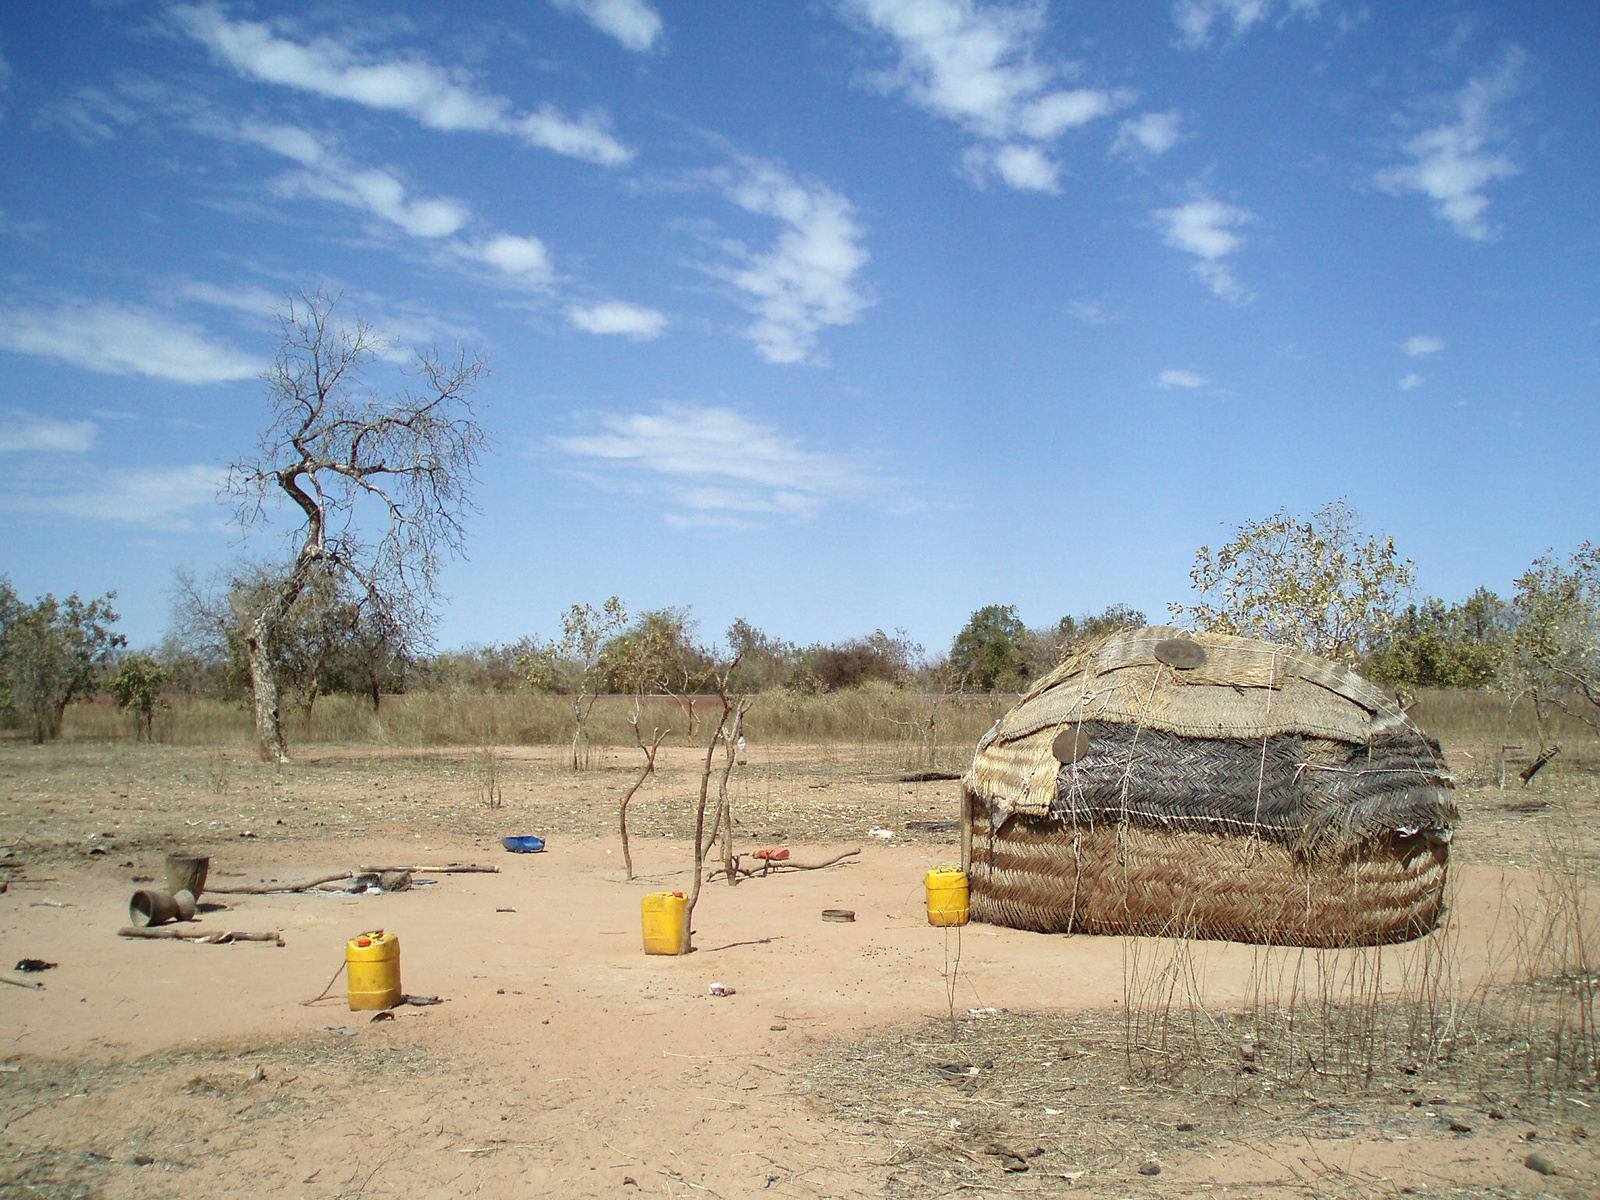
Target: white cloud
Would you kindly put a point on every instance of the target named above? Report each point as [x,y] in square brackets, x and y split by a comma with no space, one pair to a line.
[523,258]
[124,339]
[1026,168]
[157,497]
[243,298]
[716,466]
[436,98]
[1093,312]
[617,316]
[806,281]
[1411,382]
[1207,229]
[632,22]
[1149,135]
[329,177]
[1454,161]
[978,66]
[1172,378]
[1423,344]
[1197,18]
[22,432]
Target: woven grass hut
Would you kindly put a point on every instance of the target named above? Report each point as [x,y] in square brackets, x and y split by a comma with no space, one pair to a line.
[1192,784]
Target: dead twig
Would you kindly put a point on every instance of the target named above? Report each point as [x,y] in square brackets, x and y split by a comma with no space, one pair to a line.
[450,869]
[769,867]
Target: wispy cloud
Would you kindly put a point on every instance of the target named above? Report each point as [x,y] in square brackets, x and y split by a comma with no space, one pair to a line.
[329,177]
[168,498]
[1199,20]
[979,67]
[1093,312]
[22,433]
[1452,162]
[433,96]
[716,467]
[618,317]
[1411,382]
[807,280]
[1422,345]
[1149,135]
[1208,229]
[1174,378]
[634,23]
[124,339]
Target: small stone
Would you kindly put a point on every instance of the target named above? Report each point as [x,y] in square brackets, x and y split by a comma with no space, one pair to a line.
[142,1160]
[1541,1164]
[1496,1114]
[1457,1125]
[1068,1050]
[1247,1052]
[1150,1168]
[1184,1126]
[777,1028]
[1013,1164]
[257,1075]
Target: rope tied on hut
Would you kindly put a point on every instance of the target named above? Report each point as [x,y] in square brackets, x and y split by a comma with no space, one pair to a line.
[1200,785]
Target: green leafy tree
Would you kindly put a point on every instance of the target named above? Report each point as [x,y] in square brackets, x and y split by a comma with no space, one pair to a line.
[990,652]
[51,652]
[1435,645]
[579,664]
[1553,653]
[137,686]
[1319,583]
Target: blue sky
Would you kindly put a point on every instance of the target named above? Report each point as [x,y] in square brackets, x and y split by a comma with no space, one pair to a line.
[833,315]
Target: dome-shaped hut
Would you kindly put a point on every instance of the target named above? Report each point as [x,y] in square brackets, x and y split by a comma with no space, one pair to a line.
[1193,784]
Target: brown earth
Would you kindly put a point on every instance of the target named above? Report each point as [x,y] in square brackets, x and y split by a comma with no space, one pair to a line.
[877,1058]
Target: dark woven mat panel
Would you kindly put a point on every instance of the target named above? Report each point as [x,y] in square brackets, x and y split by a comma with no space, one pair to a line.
[1113,878]
[1300,795]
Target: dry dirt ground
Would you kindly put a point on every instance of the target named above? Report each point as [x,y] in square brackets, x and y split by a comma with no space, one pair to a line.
[876,1058]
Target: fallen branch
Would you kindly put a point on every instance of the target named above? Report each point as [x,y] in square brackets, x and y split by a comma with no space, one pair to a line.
[214,938]
[769,866]
[451,869]
[27,983]
[267,889]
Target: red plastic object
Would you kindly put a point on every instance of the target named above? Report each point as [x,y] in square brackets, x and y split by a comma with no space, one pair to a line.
[775,854]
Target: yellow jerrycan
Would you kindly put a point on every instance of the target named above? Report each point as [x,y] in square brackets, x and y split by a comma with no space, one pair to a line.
[372,964]
[947,896]
[664,914]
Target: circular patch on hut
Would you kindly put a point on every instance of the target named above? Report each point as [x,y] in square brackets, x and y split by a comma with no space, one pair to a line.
[1184,654]
[1070,745]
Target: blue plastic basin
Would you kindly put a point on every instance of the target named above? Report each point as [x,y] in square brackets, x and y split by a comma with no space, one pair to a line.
[523,845]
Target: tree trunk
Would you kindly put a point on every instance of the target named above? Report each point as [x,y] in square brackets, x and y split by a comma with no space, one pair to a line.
[264,688]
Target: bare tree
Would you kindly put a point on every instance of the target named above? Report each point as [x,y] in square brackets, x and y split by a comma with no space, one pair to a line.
[345,458]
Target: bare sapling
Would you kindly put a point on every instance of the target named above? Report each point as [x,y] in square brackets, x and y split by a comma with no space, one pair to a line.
[732,713]
[645,771]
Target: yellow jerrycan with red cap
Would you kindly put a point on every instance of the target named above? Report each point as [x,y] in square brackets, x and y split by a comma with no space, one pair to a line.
[372,965]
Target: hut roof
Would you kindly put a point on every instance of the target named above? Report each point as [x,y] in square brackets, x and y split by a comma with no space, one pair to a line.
[1175,682]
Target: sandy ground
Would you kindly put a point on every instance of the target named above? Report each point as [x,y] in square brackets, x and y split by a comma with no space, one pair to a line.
[566,1062]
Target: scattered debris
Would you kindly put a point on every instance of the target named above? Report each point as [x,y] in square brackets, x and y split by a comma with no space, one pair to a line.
[34,964]
[1541,1164]
[777,859]
[843,915]
[721,989]
[1150,1167]
[928,777]
[525,844]
[773,854]
[27,983]
[505,910]
[934,826]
